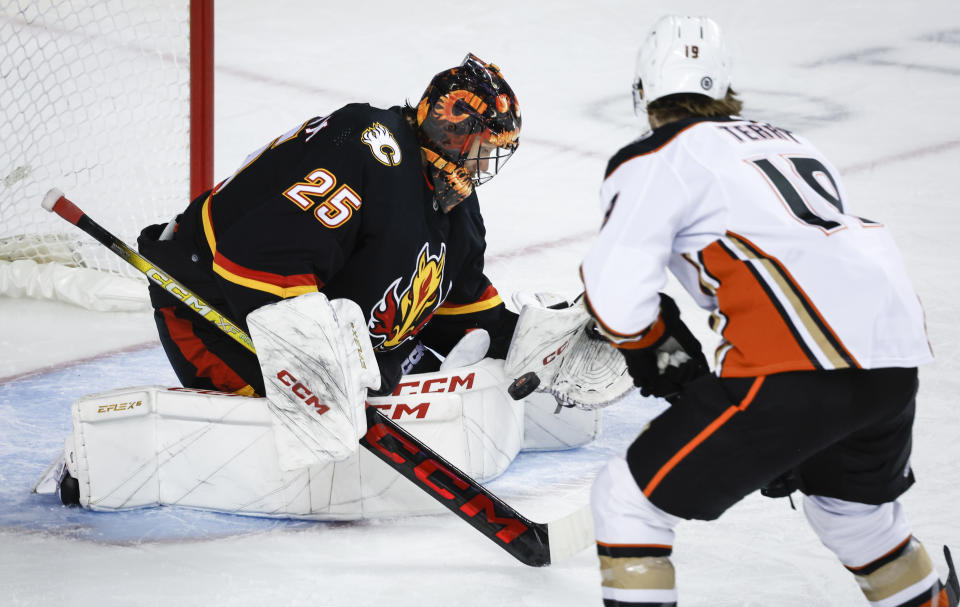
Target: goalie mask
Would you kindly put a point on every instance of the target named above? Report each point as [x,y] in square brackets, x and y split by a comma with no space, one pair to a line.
[468,126]
[681,55]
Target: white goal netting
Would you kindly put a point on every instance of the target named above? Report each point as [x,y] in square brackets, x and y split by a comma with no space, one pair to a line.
[95,100]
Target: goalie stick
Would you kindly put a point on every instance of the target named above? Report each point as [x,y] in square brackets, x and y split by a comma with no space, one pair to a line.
[534,544]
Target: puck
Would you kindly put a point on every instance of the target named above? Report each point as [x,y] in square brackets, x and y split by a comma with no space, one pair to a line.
[523,385]
[69,491]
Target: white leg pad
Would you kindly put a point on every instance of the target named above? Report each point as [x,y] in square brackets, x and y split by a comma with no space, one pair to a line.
[152,446]
[148,446]
[547,427]
[467,416]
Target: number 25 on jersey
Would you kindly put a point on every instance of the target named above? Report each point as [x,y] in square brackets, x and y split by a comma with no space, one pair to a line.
[332,212]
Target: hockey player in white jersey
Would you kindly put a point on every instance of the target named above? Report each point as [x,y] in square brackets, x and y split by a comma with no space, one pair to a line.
[815,378]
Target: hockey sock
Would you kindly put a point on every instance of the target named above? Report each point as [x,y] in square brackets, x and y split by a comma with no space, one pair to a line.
[636,575]
[903,577]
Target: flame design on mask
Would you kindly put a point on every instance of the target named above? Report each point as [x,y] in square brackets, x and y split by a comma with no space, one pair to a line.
[509,139]
[455,176]
[399,316]
[444,107]
[422,108]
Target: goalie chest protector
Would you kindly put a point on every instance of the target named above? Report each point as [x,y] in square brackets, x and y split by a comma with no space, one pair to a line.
[339,204]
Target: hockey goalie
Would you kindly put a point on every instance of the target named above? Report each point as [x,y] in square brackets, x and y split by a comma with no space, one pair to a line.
[350,248]
[294,453]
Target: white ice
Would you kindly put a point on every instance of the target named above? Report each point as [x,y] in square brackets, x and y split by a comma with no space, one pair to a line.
[874,83]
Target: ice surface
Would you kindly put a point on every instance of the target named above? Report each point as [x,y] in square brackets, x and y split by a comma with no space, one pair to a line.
[874,84]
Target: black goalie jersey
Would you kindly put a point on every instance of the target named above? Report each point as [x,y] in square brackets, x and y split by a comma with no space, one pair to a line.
[341,205]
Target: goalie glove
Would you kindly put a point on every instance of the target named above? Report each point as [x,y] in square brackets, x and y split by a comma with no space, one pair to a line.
[667,357]
[554,341]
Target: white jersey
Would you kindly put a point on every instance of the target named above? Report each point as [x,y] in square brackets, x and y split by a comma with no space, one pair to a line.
[753,221]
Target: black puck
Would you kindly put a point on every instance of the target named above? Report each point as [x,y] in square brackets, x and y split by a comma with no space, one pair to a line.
[523,385]
[69,491]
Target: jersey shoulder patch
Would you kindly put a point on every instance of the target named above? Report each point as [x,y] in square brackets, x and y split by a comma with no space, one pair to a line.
[383,145]
[381,134]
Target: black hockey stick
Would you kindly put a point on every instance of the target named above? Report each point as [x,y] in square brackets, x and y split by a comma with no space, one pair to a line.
[534,544]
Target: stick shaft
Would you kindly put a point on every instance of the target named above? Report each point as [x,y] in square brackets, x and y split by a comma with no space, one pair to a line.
[72,213]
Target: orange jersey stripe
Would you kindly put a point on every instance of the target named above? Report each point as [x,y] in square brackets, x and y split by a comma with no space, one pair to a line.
[490,298]
[823,334]
[275,280]
[702,436]
[207,363]
[762,341]
[278,284]
[649,337]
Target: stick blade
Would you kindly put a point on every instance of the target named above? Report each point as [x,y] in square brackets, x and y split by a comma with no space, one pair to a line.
[570,534]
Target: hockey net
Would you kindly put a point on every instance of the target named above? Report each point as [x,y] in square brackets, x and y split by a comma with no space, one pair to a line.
[96,101]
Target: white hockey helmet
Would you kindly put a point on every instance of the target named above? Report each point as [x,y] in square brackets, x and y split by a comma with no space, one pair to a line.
[681,55]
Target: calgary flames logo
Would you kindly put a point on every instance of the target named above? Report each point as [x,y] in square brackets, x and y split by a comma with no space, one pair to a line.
[382,144]
[399,316]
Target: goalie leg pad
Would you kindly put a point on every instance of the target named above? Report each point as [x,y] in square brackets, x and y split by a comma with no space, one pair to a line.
[152,446]
[549,427]
[464,414]
[317,363]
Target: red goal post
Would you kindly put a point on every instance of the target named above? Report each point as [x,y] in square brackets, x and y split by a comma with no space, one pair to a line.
[110,101]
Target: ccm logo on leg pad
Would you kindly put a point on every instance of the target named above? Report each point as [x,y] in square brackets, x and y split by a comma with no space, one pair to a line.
[302,392]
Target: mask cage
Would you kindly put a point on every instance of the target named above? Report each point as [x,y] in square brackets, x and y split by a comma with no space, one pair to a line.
[488,161]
